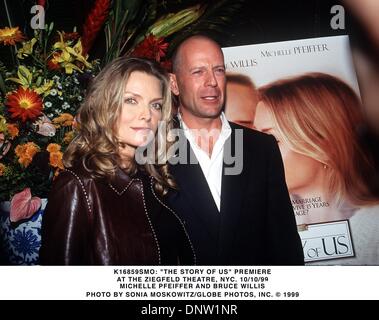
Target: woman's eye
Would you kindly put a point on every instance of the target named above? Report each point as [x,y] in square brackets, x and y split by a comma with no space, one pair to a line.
[130,101]
[157,106]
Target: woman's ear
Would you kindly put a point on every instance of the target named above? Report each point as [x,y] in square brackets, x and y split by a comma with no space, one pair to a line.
[325,163]
[173,84]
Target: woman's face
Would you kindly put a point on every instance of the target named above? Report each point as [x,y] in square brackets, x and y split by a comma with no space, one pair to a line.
[301,171]
[141,111]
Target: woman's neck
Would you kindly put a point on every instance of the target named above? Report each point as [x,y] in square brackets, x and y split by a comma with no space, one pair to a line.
[126,154]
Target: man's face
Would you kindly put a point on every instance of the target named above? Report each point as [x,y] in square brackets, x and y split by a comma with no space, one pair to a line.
[241,102]
[200,79]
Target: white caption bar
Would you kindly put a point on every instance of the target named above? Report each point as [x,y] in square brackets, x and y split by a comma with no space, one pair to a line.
[189,283]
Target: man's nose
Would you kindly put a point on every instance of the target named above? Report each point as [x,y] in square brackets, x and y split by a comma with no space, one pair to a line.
[211,79]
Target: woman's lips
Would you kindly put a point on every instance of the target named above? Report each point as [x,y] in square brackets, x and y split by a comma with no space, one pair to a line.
[141,129]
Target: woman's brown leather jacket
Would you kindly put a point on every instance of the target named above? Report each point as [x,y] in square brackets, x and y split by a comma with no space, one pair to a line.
[119,222]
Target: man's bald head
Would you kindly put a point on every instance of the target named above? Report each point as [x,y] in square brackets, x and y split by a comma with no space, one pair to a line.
[186,45]
[199,80]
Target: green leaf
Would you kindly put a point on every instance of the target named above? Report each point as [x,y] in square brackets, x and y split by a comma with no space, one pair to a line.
[215,18]
[126,19]
[39,81]
[174,22]
[24,75]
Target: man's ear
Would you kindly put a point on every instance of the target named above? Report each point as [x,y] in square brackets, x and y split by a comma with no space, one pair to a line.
[174,84]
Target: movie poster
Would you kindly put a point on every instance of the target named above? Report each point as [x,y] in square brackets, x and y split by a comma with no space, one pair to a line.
[305,93]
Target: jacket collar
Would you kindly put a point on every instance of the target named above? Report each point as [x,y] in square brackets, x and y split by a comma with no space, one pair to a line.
[121,181]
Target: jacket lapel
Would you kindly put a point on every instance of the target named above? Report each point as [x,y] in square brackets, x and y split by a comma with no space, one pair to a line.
[193,186]
[231,193]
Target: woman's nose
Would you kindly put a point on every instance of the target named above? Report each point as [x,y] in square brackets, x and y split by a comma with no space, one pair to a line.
[145,113]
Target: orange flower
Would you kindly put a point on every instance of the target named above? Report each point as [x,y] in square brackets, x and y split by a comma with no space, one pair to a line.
[53,147]
[9,36]
[2,169]
[24,104]
[65,120]
[12,130]
[68,137]
[55,155]
[56,160]
[25,152]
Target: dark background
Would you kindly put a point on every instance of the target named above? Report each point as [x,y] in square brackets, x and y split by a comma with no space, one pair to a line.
[256,22]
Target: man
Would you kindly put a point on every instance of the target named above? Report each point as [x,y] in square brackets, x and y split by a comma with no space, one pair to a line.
[234,215]
[241,99]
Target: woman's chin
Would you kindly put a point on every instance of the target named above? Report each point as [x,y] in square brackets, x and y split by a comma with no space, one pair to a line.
[142,143]
[143,140]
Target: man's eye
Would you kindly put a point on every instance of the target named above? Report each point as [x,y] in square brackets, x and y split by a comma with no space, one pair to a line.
[130,101]
[197,72]
[220,70]
[157,106]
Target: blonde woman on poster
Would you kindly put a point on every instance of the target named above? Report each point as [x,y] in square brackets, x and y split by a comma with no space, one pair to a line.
[316,119]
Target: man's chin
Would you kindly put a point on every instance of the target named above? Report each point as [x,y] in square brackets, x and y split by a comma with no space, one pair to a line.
[211,112]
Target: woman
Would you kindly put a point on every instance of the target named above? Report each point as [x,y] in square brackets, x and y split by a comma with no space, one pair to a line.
[105,208]
[316,120]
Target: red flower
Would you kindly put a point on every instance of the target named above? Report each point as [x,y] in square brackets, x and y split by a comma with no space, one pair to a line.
[52,63]
[151,48]
[67,36]
[24,104]
[94,22]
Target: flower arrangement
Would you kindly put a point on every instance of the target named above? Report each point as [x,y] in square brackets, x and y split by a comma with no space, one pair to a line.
[43,84]
[40,92]
[39,98]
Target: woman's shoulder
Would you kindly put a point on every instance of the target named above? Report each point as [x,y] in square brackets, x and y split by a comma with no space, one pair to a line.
[364,225]
[369,215]
[73,175]
[77,171]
